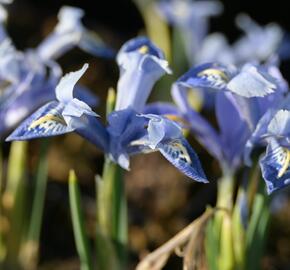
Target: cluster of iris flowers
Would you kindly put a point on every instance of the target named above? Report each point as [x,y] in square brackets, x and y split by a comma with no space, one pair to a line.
[241,83]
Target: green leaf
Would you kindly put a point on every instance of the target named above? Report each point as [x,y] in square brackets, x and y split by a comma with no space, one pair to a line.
[2,242]
[211,246]
[239,232]
[156,27]
[77,216]
[111,100]
[112,209]
[14,200]
[256,232]
[30,247]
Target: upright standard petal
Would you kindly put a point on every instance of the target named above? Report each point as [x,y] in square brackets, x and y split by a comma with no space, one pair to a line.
[125,127]
[141,64]
[234,131]
[64,90]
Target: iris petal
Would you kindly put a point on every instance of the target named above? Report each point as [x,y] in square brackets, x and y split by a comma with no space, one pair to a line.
[141,64]
[45,122]
[64,90]
[251,83]
[179,153]
[69,33]
[275,166]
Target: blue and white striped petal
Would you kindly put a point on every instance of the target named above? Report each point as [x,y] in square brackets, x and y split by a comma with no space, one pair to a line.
[45,122]
[180,154]
[275,166]
[280,124]
[210,75]
[250,82]
[166,136]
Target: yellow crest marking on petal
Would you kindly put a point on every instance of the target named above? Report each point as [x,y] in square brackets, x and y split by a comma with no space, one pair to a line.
[194,99]
[178,119]
[175,118]
[213,72]
[183,152]
[48,117]
[143,49]
[285,164]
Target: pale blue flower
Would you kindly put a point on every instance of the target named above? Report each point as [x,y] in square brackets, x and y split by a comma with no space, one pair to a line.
[192,19]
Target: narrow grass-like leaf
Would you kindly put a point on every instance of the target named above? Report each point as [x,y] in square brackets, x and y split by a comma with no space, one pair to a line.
[156,27]
[105,250]
[119,214]
[256,232]
[30,247]
[77,216]
[14,200]
[239,232]
[2,243]
[211,246]
[113,212]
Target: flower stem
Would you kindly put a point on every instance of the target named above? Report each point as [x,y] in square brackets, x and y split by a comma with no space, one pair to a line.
[112,209]
[223,222]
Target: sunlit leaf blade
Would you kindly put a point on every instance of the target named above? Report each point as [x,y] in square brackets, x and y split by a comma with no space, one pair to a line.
[2,242]
[14,199]
[112,212]
[30,248]
[256,232]
[77,216]
[238,232]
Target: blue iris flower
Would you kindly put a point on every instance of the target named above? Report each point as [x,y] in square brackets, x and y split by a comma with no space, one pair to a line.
[258,43]
[248,81]
[130,131]
[230,85]
[273,130]
[215,48]
[192,19]
[28,79]
[70,32]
